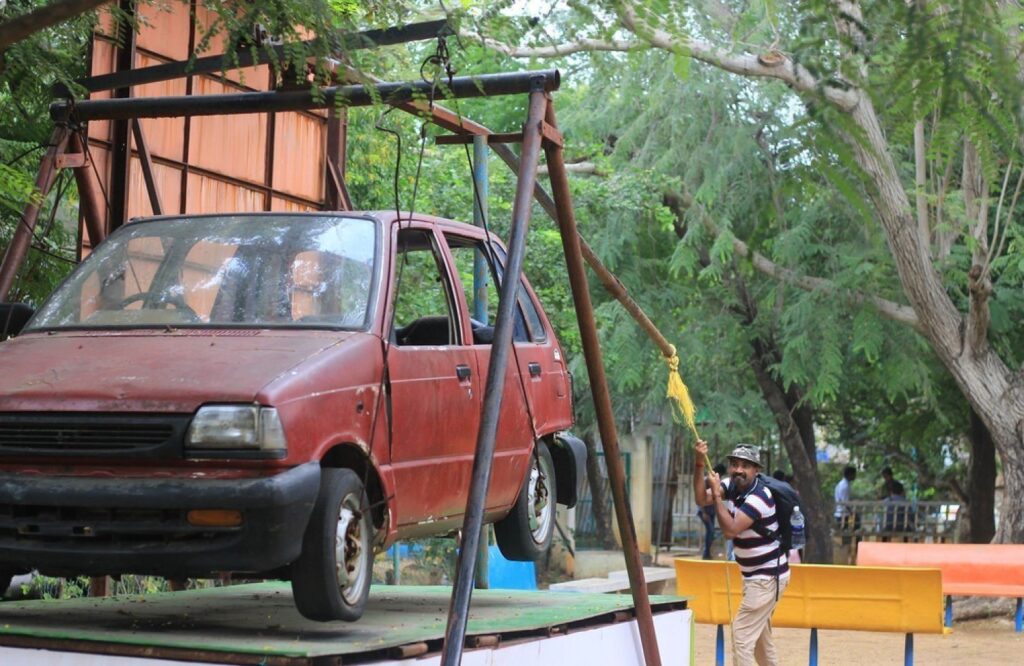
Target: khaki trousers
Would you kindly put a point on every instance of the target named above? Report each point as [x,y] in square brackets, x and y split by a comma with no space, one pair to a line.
[752,626]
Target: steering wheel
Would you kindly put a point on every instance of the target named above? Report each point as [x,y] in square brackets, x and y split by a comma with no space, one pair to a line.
[164,299]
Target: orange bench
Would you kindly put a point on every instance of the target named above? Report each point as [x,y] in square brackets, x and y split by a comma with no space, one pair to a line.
[971,569]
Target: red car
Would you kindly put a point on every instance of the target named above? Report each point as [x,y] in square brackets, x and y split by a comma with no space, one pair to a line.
[278,394]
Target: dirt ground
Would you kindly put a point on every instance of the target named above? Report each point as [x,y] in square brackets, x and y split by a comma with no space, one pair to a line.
[989,642]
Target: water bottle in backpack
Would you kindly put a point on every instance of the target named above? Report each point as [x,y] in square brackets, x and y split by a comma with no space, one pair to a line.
[796,523]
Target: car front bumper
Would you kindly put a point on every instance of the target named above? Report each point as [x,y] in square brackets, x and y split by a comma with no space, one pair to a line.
[99,526]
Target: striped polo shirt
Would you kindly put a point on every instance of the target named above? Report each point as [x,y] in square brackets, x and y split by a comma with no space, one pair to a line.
[758,556]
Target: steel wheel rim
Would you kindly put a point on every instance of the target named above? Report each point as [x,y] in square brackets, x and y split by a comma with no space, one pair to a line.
[351,548]
[539,501]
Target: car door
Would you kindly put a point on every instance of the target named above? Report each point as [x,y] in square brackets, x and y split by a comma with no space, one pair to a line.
[540,361]
[515,434]
[434,386]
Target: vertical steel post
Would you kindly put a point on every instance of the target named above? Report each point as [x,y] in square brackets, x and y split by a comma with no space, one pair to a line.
[720,646]
[602,399]
[1018,616]
[90,195]
[908,650]
[22,238]
[949,610]
[458,610]
[480,268]
[147,169]
[120,137]
[812,659]
[480,278]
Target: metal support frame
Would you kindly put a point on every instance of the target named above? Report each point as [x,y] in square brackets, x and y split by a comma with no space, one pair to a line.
[91,204]
[484,85]
[472,526]
[18,248]
[147,169]
[481,271]
[337,196]
[249,57]
[602,399]
[121,128]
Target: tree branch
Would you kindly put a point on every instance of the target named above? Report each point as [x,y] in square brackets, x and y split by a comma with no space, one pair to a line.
[903,314]
[889,309]
[582,168]
[24,26]
[773,64]
[554,50]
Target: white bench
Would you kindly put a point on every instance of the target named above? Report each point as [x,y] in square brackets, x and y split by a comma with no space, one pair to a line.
[659,580]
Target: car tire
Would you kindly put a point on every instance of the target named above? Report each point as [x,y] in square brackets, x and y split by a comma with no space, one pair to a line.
[6,576]
[524,535]
[331,579]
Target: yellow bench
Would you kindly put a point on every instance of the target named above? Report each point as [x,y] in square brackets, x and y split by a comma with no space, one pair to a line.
[893,599]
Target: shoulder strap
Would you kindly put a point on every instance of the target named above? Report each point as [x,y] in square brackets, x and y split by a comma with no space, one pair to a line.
[758,525]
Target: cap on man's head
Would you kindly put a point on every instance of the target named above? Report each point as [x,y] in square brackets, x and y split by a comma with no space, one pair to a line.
[748,453]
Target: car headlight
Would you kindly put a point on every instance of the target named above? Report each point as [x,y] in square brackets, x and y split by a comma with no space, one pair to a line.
[236,427]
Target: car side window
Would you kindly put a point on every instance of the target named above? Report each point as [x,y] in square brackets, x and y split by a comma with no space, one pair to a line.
[423,311]
[465,251]
[527,311]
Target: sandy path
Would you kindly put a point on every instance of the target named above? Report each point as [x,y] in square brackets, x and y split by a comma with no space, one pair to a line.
[990,642]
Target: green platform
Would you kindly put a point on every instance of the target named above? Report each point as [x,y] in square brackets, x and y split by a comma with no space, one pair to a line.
[256,621]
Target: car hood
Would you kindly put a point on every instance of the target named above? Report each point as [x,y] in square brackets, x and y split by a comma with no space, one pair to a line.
[149,371]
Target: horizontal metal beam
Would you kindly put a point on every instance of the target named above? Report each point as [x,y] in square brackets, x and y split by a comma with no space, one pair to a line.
[258,56]
[484,85]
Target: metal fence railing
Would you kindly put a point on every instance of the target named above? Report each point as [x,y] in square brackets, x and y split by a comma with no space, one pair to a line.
[932,521]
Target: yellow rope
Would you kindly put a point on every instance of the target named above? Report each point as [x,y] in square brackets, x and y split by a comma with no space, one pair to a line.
[679,395]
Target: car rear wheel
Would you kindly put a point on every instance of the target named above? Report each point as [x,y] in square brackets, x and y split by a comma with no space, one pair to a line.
[6,576]
[525,533]
[331,578]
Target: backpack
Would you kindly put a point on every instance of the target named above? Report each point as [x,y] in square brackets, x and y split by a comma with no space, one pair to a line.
[786,499]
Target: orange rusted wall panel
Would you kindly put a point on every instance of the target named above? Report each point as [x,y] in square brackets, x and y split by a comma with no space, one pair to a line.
[299,142]
[208,195]
[257,78]
[164,136]
[102,63]
[168,183]
[233,145]
[164,28]
[277,204]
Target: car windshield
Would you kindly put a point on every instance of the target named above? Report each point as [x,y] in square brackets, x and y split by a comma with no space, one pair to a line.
[232,270]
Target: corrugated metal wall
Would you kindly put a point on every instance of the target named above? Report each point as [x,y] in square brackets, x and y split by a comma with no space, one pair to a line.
[252,162]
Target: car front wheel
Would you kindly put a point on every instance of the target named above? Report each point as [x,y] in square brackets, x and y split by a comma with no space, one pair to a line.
[331,578]
[525,533]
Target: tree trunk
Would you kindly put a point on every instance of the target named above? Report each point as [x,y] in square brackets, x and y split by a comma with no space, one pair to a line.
[598,497]
[993,391]
[981,483]
[795,423]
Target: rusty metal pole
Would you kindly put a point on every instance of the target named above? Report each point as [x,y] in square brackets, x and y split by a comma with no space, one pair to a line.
[90,196]
[602,400]
[472,526]
[18,249]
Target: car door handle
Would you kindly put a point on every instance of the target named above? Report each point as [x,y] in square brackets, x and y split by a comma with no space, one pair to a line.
[534,368]
[463,372]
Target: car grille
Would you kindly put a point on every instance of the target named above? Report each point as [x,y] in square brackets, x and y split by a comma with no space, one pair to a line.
[77,434]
